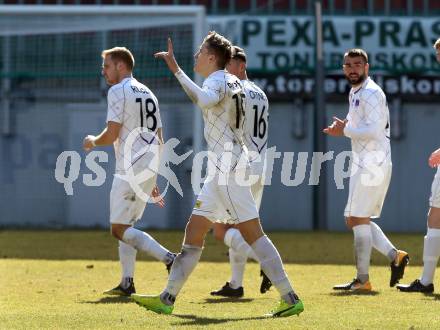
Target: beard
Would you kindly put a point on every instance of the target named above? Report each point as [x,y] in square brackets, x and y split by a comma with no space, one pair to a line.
[356,80]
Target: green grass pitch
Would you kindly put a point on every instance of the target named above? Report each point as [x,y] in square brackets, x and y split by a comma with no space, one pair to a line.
[54,280]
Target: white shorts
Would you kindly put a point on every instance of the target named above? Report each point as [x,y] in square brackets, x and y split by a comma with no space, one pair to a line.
[257,191]
[366,200]
[126,207]
[230,203]
[434,200]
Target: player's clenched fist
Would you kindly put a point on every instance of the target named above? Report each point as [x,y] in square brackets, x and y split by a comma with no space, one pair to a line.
[89,142]
[434,159]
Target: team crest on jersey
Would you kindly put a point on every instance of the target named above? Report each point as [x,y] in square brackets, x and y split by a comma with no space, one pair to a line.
[198,204]
[356,103]
[130,197]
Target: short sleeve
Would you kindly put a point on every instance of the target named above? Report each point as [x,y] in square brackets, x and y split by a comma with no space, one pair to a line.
[115,107]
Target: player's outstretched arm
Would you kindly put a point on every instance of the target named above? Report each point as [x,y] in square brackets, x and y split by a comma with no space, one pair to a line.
[434,159]
[203,97]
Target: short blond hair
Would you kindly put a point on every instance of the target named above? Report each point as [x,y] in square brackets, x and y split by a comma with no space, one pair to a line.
[120,54]
[220,47]
[437,44]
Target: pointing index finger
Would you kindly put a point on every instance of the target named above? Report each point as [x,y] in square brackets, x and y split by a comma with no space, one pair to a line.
[170,46]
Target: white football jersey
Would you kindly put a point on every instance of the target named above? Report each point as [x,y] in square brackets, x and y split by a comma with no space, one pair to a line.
[368,124]
[256,120]
[224,118]
[133,105]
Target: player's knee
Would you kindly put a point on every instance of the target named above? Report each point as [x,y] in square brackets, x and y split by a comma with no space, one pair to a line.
[219,233]
[251,230]
[196,230]
[117,231]
[434,218]
[356,221]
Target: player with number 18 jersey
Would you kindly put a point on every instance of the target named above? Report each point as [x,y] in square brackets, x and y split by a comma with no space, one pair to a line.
[134,106]
[134,128]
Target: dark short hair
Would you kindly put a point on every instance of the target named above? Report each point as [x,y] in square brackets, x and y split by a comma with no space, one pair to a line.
[355,52]
[120,54]
[238,53]
[220,47]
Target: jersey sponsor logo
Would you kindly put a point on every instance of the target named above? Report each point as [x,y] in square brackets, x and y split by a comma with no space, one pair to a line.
[235,84]
[130,197]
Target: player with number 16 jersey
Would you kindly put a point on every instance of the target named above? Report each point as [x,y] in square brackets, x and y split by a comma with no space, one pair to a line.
[255,137]
[256,133]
